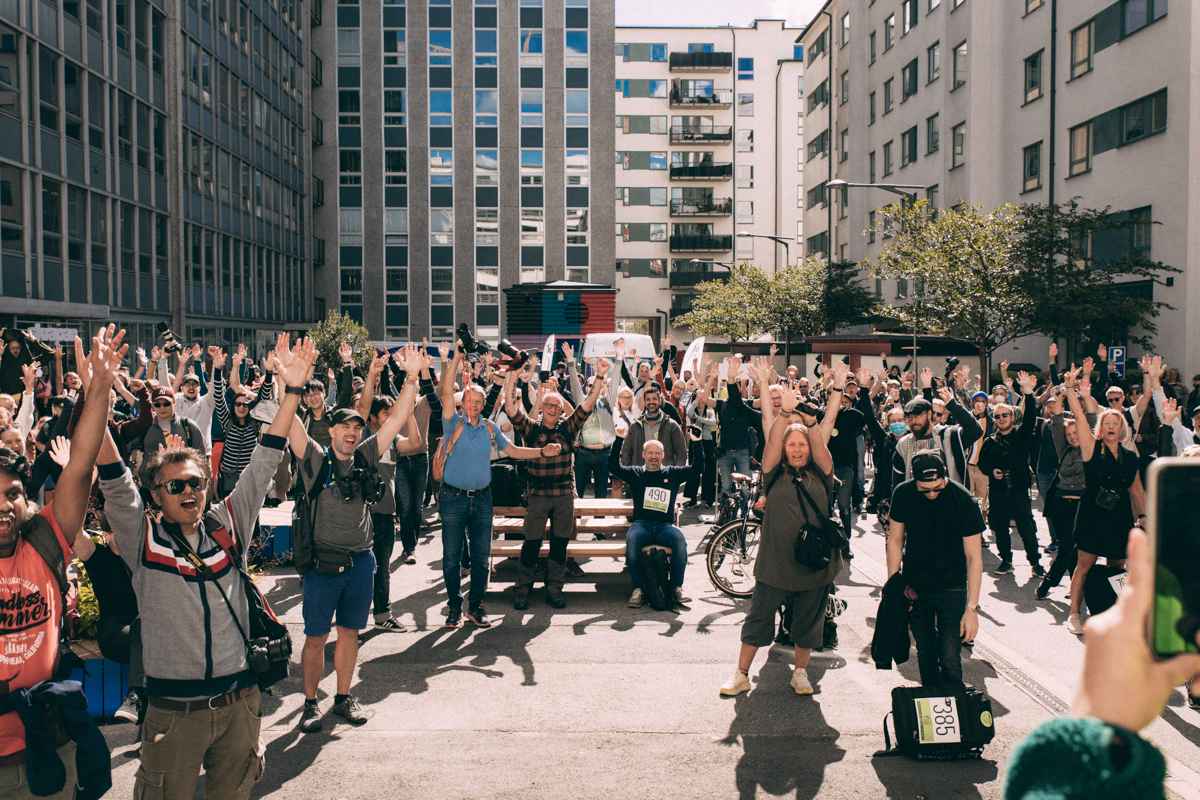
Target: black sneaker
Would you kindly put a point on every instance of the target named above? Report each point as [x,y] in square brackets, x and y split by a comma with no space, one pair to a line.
[1038,571]
[555,600]
[478,616]
[1043,591]
[131,707]
[1053,548]
[521,600]
[349,710]
[454,618]
[1005,568]
[310,721]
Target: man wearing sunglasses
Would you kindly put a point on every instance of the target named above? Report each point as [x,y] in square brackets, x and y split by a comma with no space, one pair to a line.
[167,423]
[203,704]
[935,538]
[1004,458]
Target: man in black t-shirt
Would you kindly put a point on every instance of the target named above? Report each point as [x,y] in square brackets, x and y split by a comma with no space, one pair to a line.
[930,516]
[843,446]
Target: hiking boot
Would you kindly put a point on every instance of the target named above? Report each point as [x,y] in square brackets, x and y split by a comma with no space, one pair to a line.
[310,721]
[390,624]
[1038,571]
[636,599]
[800,682]
[555,600]
[680,597]
[349,710]
[1005,568]
[131,707]
[454,618]
[1075,624]
[478,616]
[521,600]
[740,682]
[573,568]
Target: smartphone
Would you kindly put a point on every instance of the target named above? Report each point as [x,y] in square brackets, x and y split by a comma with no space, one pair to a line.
[1173,528]
[694,430]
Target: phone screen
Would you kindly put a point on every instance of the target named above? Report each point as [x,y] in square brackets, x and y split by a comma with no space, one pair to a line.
[1176,493]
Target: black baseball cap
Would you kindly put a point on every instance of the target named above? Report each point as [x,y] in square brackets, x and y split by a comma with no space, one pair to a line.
[928,466]
[343,415]
[918,405]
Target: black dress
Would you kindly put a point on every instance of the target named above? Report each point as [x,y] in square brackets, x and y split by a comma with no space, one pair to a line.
[1100,531]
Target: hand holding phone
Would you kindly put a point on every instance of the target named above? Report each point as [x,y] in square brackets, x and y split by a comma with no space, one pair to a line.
[1173,528]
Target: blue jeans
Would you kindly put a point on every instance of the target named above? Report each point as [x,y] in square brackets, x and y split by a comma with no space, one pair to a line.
[642,534]
[412,472]
[935,621]
[735,461]
[465,519]
[1043,484]
[591,465]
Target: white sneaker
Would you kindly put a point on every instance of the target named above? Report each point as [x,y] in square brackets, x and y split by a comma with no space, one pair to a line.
[637,598]
[740,682]
[680,597]
[1075,624]
[800,682]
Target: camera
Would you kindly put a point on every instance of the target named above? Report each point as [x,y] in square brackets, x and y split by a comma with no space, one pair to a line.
[951,364]
[1008,481]
[172,341]
[468,344]
[516,358]
[1106,499]
[370,485]
[263,651]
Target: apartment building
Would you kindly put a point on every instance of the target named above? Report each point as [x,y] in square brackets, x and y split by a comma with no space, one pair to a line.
[1034,101]
[154,165]
[466,163]
[708,132]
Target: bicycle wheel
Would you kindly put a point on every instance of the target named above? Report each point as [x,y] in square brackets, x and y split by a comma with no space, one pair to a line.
[731,555]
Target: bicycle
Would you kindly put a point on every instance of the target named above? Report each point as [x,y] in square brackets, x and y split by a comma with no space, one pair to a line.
[733,539]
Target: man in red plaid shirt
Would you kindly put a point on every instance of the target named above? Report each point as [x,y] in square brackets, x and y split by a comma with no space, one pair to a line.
[551,484]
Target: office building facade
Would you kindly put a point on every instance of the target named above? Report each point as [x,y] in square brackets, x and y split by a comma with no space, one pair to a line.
[1020,102]
[469,142]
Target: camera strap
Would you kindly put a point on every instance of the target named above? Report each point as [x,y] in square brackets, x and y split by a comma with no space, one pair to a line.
[206,573]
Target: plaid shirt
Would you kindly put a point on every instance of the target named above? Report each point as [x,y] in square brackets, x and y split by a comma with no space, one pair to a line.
[553,476]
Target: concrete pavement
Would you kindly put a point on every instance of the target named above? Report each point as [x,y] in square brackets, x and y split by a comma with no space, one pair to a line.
[603,701]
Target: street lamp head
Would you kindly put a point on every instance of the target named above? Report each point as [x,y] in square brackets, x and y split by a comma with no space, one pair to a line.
[836,183]
[744,233]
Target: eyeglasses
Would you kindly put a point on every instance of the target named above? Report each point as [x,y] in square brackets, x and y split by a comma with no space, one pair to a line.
[164,404]
[555,406]
[176,486]
[1003,416]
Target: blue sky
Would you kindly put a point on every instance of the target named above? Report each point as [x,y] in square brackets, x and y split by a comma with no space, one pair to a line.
[712,13]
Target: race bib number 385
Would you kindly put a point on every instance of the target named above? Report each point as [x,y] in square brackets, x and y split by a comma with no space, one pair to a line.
[937,720]
[656,499]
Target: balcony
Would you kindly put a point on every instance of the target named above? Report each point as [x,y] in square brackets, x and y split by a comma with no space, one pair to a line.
[701,134]
[701,62]
[717,98]
[703,207]
[318,73]
[714,171]
[318,131]
[679,307]
[687,279]
[318,192]
[318,252]
[315,13]
[701,244]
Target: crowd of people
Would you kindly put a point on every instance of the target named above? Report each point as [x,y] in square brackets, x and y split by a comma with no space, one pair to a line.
[153,474]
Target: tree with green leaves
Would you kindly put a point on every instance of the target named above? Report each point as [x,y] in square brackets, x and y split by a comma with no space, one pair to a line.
[733,309]
[328,336]
[810,298]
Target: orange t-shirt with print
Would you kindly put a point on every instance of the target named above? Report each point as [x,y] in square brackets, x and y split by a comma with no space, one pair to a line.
[30,622]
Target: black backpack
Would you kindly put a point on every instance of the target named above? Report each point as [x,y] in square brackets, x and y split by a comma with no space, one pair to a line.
[656,579]
[937,726]
[508,489]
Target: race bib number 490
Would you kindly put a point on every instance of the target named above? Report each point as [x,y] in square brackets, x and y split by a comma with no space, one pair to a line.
[656,499]
[937,720]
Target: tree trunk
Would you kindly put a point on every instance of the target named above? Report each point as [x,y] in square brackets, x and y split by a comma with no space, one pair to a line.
[787,349]
[985,361]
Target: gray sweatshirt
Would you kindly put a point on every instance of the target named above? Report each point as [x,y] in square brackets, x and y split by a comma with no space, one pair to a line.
[192,647]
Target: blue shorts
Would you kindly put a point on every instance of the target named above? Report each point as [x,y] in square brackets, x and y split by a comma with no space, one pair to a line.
[345,597]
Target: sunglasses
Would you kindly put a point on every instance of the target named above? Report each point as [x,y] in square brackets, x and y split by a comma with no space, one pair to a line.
[164,404]
[1003,416]
[176,486]
[1116,399]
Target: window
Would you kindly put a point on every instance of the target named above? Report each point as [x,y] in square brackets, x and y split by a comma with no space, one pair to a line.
[658,160]
[844,145]
[908,80]
[745,105]
[1033,77]
[1081,149]
[819,145]
[934,4]
[1142,226]
[532,167]
[441,106]
[817,195]
[531,107]
[908,15]
[485,47]
[797,52]
[487,105]
[1144,117]
[818,245]
[960,64]
[745,69]
[745,140]
[800,87]
[889,96]
[959,134]
[871,115]
[745,211]
[1030,5]
[800,196]
[889,32]
[931,194]
[818,96]
[393,107]
[348,47]
[1082,46]
[1032,168]
[871,165]
[1137,14]
[931,134]
[908,146]
[845,29]
[441,167]
[933,62]
[745,176]
[819,46]
[845,86]
[871,49]
[887,159]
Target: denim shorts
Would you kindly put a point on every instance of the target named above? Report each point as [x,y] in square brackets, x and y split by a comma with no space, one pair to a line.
[345,598]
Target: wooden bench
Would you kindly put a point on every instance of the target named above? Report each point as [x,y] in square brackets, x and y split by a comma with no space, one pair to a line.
[608,516]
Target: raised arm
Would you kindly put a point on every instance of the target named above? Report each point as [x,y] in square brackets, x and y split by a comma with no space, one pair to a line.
[446,388]
[58,369]
[368,391]
[589,402]
[402,410]
[837,377]
[235,369]
[1087,441]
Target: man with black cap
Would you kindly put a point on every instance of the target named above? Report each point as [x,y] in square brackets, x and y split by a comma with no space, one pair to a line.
[951,440]
[930,516]
[166,424]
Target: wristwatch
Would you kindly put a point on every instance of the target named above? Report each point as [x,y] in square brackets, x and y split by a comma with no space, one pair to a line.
[976,608]
[294,390]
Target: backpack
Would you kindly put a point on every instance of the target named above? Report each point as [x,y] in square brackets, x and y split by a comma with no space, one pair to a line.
[304,550]
[937,726]
[656,579]
[508,489]
[41,537]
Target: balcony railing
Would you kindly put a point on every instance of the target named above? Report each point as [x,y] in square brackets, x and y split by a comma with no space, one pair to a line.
[318,194]
[707,62]
[701,134]
[716,98]
[679,309]
[318,131]
[701,244]
[708,207]
[715,171]
[683,279]
[315,13]
[318,73]
[318,252]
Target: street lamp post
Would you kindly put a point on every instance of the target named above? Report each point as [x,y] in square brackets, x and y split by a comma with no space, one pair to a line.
[776,239]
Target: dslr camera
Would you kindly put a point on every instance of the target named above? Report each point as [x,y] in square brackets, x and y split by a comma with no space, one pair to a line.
[172,342]
[468,344]
[516,358]
[263,651]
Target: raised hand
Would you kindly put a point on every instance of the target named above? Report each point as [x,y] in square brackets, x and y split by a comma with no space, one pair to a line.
[346,352]
[60,450]
[1027,381]
[377,365]
[105,359]
[1053,351]
[218,358]
[141,355]
[58,351]
[172,442]
[788,402]
[568,351]
[1088,364]
[927,378]
[1157,369]
[774,349]
[619,347]
[293,365]
[1102,352]
[1084,386]
[946,394]
[426,359]
[666,342]
[414,359]
[603,365]
[840,372]
[1070,376]
[29,376]
[155,353]
[863,375]
[1170,411]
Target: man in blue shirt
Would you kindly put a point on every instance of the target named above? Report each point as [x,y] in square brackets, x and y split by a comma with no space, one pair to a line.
[466,495]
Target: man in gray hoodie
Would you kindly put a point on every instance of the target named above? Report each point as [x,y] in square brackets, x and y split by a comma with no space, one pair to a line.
[203,705]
